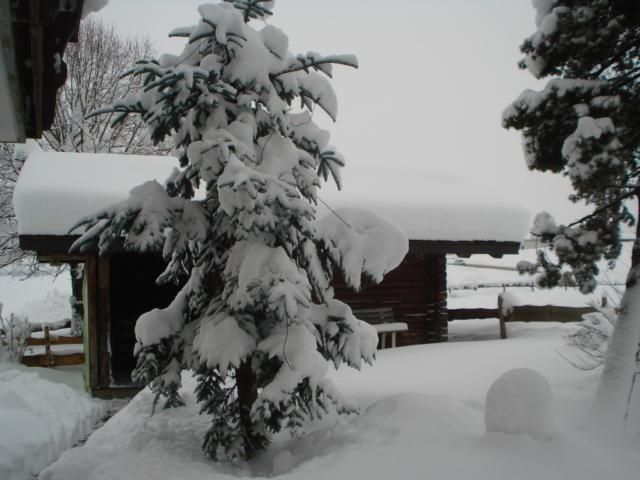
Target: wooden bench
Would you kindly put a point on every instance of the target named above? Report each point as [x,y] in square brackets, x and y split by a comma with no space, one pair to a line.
[383,320]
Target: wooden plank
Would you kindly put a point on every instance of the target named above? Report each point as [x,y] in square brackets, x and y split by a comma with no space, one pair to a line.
[36,33]
[464,248]
[472,313]
[57,247]
[116,392]
[56,340]
[375,315]
[53,360]
[540,313]
[548,313]
[69,359]
[47,346]
[103,319]
[90,333]
[34,360]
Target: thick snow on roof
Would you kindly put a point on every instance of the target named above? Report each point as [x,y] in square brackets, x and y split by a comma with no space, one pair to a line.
[56,189]
[433,205]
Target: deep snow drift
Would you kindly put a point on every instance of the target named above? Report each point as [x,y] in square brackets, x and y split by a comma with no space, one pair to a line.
[42,413]
[423,416]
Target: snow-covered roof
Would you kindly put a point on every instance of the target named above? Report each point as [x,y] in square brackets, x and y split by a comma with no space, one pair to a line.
[56,189]
[433,205]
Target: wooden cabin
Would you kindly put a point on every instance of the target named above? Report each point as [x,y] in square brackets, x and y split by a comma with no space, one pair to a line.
[117,288]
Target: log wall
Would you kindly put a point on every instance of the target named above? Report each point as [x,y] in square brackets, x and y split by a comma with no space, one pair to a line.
[416,290]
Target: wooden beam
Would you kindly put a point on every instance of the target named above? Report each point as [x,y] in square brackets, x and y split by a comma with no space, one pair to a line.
[464,248]
[57,246]
[13,105]
[60,244]
[56,340]
[47,244]
[90,333]
[36,32]
[103,318]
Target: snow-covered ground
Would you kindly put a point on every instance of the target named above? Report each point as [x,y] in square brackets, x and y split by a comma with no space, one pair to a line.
[42,413]
[423,409]
[423,417]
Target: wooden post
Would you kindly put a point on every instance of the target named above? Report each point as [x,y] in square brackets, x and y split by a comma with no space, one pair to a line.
[90,311]
[48,358]
[501,316]
[103,320]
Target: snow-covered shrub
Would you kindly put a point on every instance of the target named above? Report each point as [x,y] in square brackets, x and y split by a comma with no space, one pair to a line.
[256,319]
[591,337]
[520,401]
[53,309]
[14,333]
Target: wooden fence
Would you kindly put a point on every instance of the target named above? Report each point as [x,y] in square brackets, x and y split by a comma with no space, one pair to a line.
[523,313]
[52,358]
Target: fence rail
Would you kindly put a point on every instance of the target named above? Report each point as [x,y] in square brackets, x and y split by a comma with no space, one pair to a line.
[51,358]
[505,285]
[472,313]
[522,313]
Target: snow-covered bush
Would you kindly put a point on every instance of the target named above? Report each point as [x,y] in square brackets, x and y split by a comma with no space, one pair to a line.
[256,318]
[14,333]
[591,337]
[520,401]
[52,309]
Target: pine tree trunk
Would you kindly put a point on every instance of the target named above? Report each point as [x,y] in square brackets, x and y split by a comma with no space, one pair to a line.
[247,395]
[611,404]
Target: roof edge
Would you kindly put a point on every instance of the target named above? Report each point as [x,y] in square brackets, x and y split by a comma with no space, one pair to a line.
[60,244]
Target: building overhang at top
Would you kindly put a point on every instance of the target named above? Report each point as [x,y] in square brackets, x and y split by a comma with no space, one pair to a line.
[56,189]
[56,247]
[33,37]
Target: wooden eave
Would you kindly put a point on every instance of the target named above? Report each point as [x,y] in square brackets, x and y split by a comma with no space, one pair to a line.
[464,248]
[41,29]
[47,244]
[57,247]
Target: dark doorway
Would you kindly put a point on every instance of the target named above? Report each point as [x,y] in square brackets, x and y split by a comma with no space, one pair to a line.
[133,292]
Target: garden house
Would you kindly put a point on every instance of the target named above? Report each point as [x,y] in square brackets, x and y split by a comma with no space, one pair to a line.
[439,214]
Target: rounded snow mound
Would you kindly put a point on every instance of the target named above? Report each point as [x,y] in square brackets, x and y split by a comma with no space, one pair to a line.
[520,401]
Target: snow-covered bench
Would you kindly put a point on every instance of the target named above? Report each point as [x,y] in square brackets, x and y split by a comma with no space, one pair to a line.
[383,320]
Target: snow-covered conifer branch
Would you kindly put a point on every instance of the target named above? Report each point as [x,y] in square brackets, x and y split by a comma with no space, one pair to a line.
[585,124]
[317,62]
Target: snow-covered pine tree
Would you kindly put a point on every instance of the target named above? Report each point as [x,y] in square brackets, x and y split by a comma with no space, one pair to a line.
[586,124]
[256,319]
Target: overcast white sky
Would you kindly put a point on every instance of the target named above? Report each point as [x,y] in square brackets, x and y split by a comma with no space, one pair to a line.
[433,80]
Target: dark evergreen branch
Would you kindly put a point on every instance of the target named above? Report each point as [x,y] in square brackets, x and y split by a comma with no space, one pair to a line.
[306,63]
